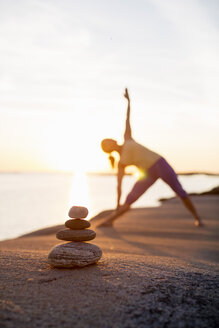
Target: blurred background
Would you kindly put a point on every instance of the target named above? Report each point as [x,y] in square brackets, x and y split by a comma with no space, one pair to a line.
[64,66]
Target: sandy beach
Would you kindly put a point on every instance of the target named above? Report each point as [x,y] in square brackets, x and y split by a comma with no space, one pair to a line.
[157,270]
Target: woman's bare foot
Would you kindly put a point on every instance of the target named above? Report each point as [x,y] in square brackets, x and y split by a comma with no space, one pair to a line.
[114,215]
[199,223]
[107,223]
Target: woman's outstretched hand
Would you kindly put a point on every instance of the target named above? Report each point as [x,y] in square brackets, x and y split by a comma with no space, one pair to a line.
[126,94]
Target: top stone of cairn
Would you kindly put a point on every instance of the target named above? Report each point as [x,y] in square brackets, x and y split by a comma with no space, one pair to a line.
[78,212]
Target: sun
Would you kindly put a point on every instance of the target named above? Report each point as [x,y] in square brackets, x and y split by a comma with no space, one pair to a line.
[72,144]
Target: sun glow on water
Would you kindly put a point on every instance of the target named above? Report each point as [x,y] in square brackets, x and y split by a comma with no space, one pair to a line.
[79,193]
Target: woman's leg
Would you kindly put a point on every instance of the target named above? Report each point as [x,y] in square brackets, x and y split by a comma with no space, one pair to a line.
[139,188]
[189,205]
[168,175]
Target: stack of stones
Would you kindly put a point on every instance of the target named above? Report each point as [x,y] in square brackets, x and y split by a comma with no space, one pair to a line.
[77,253]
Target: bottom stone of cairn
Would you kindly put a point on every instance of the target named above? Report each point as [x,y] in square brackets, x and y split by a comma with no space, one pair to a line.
[74,254]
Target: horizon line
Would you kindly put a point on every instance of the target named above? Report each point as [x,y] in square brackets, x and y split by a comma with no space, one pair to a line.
[98,172]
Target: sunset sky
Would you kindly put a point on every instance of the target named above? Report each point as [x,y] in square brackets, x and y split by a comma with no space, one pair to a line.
[64,67]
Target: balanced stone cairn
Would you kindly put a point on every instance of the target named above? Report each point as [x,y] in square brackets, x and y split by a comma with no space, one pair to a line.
[77,253]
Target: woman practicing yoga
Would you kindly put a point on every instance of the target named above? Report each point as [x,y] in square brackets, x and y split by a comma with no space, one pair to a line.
[152,164]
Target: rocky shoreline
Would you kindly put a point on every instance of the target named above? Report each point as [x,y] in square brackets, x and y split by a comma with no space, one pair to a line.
[157,270]
[213,191]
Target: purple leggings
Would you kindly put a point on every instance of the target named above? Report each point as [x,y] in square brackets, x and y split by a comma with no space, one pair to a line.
[160,169]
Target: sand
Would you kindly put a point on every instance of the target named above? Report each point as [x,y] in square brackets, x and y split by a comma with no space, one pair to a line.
[157,270]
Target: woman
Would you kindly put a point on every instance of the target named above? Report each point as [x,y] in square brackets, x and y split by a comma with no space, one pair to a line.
[153,165]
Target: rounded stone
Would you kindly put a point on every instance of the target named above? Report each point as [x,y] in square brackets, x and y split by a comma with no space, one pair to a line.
[76,235]
[77,224]
[78,212]
[74,255]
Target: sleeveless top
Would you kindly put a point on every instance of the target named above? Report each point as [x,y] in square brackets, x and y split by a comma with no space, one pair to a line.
[135,154]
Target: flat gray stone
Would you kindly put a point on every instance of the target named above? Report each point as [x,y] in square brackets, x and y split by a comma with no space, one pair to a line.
[77,224]
[76,235]
[74,254]
[78,212]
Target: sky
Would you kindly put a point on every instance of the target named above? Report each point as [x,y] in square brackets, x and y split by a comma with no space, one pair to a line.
[64,66]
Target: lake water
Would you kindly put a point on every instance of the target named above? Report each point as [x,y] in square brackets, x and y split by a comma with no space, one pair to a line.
[30,201]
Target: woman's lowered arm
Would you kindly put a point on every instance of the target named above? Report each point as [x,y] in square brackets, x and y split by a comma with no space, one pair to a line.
[120,209]
[120,174]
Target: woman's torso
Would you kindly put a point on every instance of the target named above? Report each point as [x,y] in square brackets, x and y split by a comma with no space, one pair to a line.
[135,154]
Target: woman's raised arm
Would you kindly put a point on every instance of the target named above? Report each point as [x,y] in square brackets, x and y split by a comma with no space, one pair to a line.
[128,132]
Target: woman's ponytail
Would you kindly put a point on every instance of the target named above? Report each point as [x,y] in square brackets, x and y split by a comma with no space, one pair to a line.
[112,161]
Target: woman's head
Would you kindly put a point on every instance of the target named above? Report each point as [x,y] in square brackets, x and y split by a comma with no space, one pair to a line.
[109,145]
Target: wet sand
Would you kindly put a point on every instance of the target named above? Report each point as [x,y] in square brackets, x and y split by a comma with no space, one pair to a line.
[157,270]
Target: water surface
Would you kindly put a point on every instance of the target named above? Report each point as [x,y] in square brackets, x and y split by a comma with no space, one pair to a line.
[32,201]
